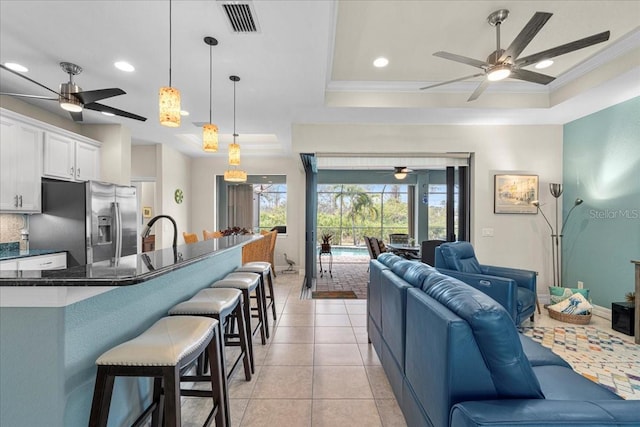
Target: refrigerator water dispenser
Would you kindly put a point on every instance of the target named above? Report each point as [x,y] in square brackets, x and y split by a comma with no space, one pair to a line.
[104,230]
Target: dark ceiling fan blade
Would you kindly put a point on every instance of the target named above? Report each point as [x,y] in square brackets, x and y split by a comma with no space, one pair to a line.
[561,50]
[27,78]
[452,81]
[101,107]
[481,87]
[526,35]
[89,96]
[462,59]
[77,117]
[24,95]
[531,76]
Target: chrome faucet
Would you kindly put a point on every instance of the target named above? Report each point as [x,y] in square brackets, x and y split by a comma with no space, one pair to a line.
[147,230]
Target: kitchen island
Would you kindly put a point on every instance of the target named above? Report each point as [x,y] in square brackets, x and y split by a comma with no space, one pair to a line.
[55,324]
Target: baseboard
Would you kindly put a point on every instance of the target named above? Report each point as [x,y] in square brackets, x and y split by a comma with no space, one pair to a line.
[603,312]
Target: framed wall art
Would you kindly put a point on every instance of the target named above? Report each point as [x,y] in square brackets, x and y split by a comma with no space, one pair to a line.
[513,194]
[146,212]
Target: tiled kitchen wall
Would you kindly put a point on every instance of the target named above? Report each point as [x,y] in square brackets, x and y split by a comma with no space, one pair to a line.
[10,226]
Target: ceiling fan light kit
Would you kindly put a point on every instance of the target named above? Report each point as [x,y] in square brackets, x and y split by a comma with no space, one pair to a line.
[169,97]
[209,130]
[503,63]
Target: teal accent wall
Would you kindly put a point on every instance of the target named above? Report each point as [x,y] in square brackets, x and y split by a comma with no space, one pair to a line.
[47,355]
[601,165]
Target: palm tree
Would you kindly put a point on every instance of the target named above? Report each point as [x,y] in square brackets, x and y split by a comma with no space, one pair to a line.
[358,205]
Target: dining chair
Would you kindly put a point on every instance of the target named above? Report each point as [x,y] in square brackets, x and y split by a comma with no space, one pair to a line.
[190,237]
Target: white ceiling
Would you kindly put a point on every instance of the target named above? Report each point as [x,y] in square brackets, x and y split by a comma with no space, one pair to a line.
[311,63]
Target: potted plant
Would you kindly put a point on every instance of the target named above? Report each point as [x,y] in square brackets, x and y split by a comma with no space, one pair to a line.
[325,246]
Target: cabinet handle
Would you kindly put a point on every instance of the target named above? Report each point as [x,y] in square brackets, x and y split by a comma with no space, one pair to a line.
[46,263]
[78,173]
[20,200]
[15,204]
[71,172]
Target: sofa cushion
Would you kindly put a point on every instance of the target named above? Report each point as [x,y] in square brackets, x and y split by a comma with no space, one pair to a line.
[389,259]
[495,335]
[416,273]
[401,267]
[459,256]
[539,355]
[560,383]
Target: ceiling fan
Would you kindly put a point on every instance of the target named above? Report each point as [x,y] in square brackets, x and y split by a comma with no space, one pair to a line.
[503,63]
[73,99]
[401,172]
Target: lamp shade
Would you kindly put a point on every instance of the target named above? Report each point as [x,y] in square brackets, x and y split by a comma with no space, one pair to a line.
[234,154]
[169,104]
[400,175]
[210,138]
[235,175]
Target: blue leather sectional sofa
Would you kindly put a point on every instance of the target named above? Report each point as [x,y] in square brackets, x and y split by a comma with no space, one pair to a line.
[454,357]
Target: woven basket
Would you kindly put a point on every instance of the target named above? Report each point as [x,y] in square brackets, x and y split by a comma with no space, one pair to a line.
[578,319]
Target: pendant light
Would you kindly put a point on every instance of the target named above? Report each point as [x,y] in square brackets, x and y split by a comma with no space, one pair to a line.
[209,130]
[169,96]
[233,174]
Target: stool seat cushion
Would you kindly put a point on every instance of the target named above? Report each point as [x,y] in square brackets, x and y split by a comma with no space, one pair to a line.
[165,343]
[257,266]
[209,301]
[243,275]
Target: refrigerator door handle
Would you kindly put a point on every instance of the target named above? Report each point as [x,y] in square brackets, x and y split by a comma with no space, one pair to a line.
[118,220]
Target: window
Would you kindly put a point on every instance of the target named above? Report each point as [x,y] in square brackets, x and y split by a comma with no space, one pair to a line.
[270,206]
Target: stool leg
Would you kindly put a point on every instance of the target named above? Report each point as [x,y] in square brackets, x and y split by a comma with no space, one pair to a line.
[101,398]
[270,276]
[263,300]
[261,317]
[171,376]
[218,383]
[244,346]
[246,306]
[158,411]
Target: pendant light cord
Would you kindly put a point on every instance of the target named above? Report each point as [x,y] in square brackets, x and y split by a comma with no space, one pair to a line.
[210,79]
[234,111]
[169,43]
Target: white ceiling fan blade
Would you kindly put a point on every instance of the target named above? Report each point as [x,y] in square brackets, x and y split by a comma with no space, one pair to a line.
[481,87]
[452,81]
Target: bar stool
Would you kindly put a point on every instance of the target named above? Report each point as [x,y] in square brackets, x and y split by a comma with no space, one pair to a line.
[224,305]
[262,268]
[247,283]
[161,352]
[261,298]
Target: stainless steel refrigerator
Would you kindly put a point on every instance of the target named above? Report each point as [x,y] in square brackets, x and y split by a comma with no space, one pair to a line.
[93,221]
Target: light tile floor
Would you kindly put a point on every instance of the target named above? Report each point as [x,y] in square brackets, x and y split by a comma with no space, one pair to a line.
[317,368]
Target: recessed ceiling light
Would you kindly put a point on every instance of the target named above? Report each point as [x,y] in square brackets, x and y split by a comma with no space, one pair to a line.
[106,113]
[16,67]
[124,66]
[381,62]
[184,113]
[545,63]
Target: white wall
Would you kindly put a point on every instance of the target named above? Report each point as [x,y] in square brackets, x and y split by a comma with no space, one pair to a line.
[519,240]
[203,206]
[115,152]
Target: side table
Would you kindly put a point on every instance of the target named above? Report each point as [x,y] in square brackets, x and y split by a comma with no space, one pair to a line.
[325,252]
[623,317]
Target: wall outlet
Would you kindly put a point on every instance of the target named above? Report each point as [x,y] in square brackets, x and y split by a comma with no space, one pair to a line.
[487,232]
[580,284]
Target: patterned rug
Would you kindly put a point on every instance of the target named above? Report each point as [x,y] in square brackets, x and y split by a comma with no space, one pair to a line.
[597,355]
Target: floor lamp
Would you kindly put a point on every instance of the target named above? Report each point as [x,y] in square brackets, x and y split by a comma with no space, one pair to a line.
[556,233]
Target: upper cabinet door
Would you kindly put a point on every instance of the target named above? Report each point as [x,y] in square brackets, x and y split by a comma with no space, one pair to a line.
[20,167]
[87,162]
[59,157]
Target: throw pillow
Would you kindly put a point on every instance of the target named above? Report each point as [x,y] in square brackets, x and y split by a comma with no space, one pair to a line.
[558,293]
[575,304]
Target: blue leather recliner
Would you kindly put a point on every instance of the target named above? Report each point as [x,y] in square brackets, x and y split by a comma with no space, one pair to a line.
[514,289]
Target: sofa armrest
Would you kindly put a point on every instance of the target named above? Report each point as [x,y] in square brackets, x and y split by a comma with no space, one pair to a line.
[541,412]
[501,289]
[524,278]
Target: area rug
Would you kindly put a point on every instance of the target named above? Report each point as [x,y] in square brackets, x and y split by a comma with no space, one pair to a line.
[334,295]
[597,355]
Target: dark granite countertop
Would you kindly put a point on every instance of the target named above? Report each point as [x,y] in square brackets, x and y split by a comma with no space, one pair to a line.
[128,270]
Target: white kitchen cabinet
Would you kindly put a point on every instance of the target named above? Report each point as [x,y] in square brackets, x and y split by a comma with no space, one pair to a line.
[20,166]
[43,262]
[68,158]
[55,261]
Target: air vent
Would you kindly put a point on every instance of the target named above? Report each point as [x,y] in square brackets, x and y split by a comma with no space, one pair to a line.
[241,16]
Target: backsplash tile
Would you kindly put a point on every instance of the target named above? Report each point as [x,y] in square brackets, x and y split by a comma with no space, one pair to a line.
[9,248]
[10,226]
